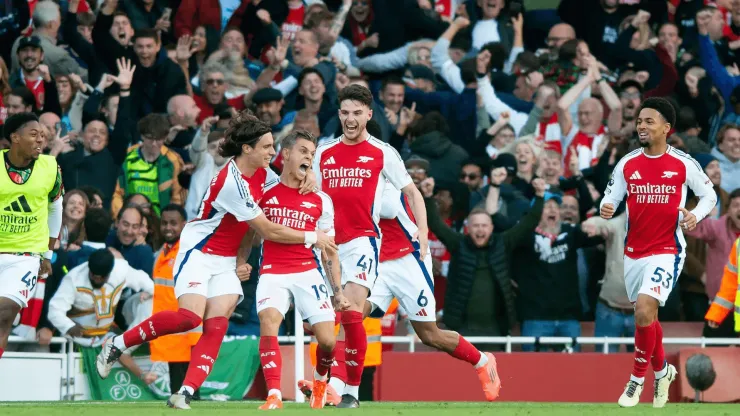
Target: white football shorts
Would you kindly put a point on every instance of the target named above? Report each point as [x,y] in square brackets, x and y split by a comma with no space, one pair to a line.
[654,276]
[206,275]
[359,260]
[410,281]
[18,276]
[306,290]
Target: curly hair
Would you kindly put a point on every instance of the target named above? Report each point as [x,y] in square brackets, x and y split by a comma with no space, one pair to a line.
[243,129]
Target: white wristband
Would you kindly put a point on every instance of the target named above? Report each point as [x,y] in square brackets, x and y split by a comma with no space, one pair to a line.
[310,237]
[49,254]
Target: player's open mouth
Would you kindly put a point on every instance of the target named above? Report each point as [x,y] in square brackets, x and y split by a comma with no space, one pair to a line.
[38,149]
[642,135]
[303,167]
[351,129]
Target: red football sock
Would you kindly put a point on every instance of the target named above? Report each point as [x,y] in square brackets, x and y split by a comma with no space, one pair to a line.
[205,351]
[465,351]
[161,324]
[272,361]
[644,346]
[324,360]
[355,339]
[2,350]
[339,370]
[658,359]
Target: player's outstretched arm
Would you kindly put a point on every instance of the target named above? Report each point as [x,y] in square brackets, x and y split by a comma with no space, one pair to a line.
[286,235]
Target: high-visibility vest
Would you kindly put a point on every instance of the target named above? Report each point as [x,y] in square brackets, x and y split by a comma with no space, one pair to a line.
[727,298]
[173,348]
[374,353]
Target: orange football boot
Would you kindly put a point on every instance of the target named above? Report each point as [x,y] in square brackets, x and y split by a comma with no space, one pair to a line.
[273,402]
[332,398]
[489,378]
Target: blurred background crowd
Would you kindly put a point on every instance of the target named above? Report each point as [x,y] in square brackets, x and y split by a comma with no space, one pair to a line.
[479,97]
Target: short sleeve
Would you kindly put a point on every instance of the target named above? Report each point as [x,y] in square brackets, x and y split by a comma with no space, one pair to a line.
[394,168]
[326,221]
[236,199]
[391,202]
[272,179]
[617,187]
[317,166]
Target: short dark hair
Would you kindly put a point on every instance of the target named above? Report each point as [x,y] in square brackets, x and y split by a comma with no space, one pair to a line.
[662,106]
[292,138]
[175,208]
[308,71]
[391,80]
[146,33]
[121,13]
[29,100]
[499,55]
[16,122]
[87,119]
[85,19]
[101,262]
[91,191]
[358,93]
[154,125]
[128,207]
[243,129]
[97,225]
[432,121]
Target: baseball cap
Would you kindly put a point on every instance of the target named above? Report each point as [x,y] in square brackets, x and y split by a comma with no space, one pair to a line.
[266,95]
[505,160]
[416,160]
[27,41]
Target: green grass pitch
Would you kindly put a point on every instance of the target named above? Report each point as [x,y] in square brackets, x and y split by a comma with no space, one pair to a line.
[379,409]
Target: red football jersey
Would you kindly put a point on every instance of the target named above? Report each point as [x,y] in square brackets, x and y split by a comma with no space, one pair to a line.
[354,178]
[655,187]
[284,205]
[231,201]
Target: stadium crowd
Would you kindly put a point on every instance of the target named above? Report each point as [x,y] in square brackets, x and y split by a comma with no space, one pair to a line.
[479,97]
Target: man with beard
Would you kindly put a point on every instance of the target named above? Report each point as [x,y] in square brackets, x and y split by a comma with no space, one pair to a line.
[269,102]
[173,349]
[83,307]
[47,21]
[35,76]
[97,161]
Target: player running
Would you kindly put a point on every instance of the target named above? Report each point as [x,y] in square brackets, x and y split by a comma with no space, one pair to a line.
[31,201]
[352,171]
[206,282]
[404,276]
[292,273]
[655,180]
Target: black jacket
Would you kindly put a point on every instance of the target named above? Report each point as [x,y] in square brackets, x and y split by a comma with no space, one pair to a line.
[462,265]
[445,158]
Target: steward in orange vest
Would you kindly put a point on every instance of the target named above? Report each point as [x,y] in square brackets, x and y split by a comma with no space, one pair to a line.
[173,349]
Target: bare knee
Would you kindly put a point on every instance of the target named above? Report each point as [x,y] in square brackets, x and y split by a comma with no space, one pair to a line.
[324,333]
[357,295]
[646,310]
[270,320]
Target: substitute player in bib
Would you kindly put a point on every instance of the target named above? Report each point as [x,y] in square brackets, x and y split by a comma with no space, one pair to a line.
[655,179]
[293,273]
[206,283]
[352,170]
[30,218]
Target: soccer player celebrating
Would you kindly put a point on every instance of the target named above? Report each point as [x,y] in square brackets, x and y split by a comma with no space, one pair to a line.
[655,180]
[206,282]
[404,276]
[31,201]
[291,273]
[352,170]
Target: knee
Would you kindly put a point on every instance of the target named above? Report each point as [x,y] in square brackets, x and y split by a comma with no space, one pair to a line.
[644,313]
[326,343]
[270,320]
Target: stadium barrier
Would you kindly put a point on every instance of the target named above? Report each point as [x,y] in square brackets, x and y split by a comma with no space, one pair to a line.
[63,378]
